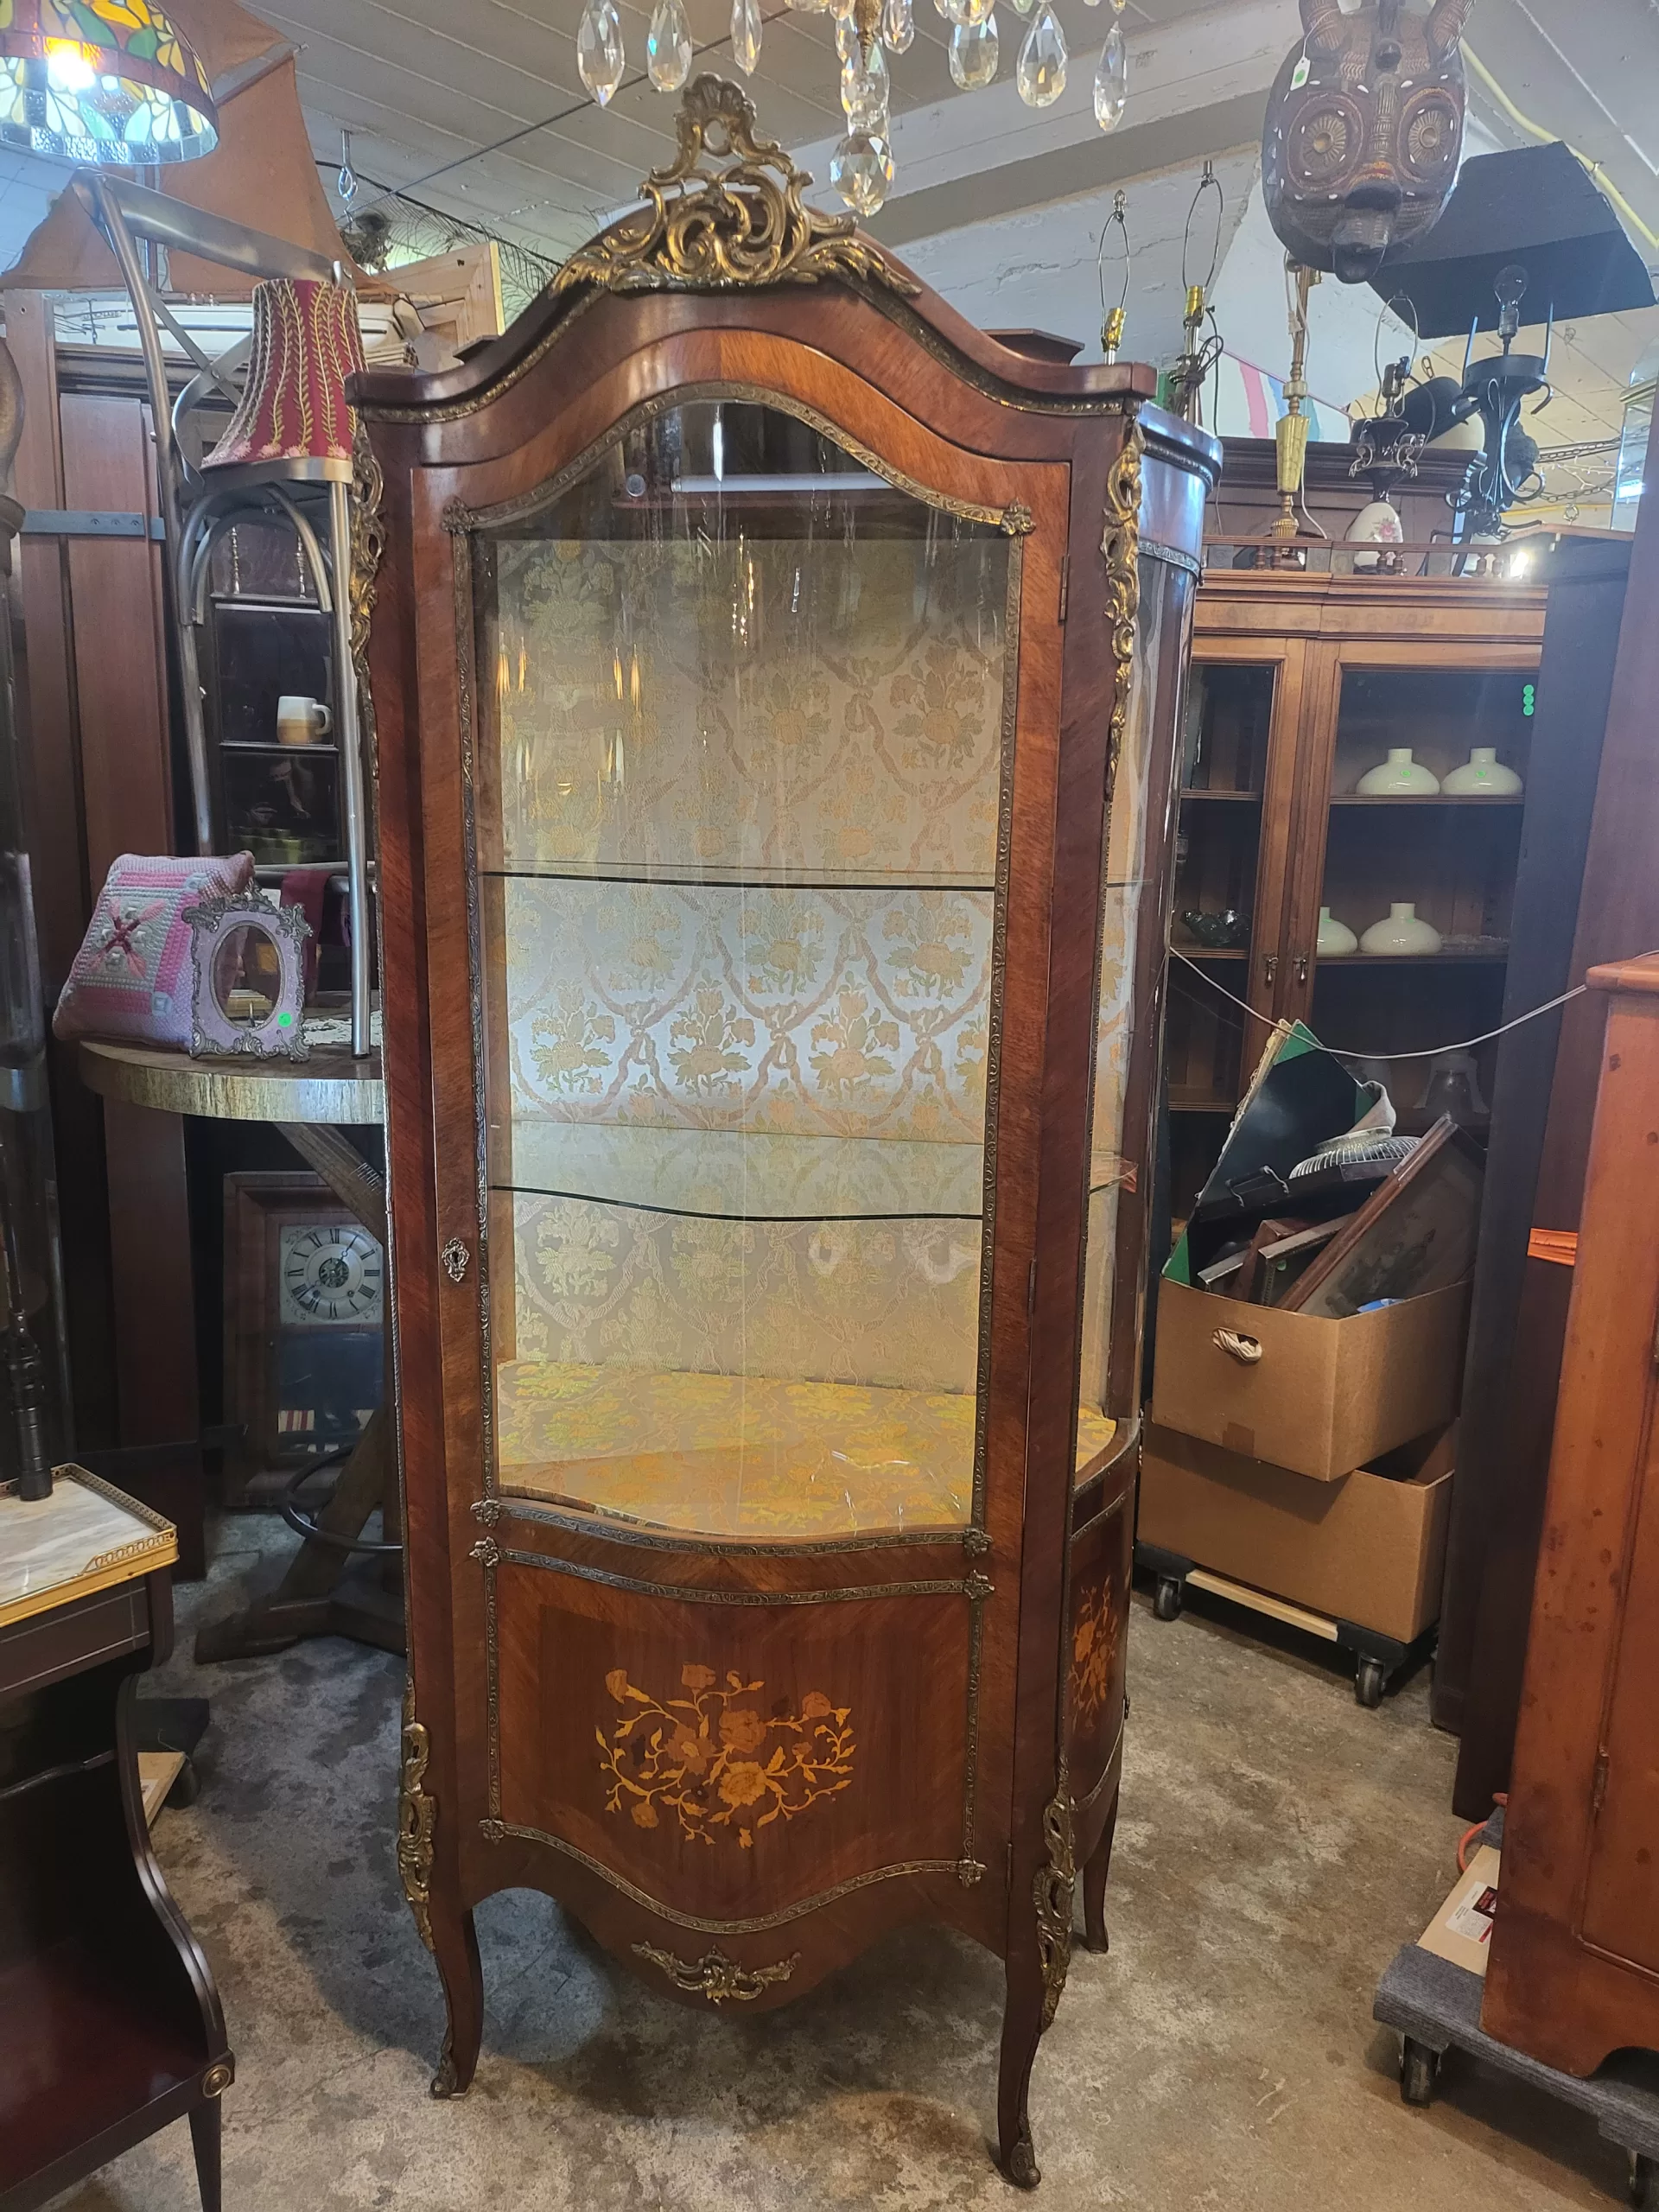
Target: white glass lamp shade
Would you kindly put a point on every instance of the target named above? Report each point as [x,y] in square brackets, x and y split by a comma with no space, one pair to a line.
[1481,776]
[1399,777]
[1401,931]
[1335,938]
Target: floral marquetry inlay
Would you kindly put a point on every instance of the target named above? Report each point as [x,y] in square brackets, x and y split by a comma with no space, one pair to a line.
[1094,1647]
[714,1760]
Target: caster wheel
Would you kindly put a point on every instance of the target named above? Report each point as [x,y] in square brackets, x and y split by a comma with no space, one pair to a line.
[1368,1683]
[1640,2173]
[187,1786]
[1418,2066]
[1166,1602]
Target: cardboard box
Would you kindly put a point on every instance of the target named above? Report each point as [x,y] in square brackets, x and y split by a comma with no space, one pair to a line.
[1462,1930]
[1325,1396]
[1364,1548]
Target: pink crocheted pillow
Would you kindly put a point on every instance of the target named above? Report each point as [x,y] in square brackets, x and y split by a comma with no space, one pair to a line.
[132,976]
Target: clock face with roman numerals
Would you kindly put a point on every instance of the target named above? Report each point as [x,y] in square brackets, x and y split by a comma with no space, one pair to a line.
[333,1273]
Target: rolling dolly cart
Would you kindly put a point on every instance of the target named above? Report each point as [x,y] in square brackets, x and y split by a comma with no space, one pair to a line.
[1380,1661]
[1435,2004]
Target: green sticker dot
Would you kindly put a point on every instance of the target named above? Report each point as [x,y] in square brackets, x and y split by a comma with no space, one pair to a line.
[284,1021]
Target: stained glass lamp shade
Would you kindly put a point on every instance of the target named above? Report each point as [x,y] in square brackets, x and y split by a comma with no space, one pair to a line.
[101,82]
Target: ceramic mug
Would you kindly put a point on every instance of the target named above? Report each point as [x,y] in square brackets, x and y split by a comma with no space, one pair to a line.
[301,721]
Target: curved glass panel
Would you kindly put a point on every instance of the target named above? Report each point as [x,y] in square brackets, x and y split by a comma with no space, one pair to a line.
[1131,931]
[742,715]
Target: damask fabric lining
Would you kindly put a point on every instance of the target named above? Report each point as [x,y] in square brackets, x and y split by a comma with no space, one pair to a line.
[739,865]
[817,705]
[736,1455]
[804,1012]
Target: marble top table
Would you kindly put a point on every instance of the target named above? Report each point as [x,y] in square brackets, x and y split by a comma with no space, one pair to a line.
[86,1537]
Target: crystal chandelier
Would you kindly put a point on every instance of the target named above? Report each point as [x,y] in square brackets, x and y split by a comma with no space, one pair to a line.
[867,32]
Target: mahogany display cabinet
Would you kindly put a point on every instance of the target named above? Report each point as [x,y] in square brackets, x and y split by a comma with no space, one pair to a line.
[777,683]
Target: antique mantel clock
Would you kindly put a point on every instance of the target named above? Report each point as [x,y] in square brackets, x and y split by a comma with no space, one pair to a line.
[776,680]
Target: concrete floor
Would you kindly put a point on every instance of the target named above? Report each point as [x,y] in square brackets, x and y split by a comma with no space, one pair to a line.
[1277,1845]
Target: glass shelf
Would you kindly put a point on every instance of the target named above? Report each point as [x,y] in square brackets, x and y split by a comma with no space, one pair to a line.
[678,875]
[741,1175]
[276,746]
[1237,798]
[1488,803]
[1331,964]
[745,1176]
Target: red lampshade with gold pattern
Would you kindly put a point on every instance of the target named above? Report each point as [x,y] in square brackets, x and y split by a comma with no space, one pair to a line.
[102,83]
[306,342]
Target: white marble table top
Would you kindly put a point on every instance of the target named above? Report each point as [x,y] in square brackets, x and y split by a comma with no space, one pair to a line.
[86,1537]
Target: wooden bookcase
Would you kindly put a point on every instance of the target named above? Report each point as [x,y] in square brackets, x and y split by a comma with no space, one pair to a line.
[1300,683]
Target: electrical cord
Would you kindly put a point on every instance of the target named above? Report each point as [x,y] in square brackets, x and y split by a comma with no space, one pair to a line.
[1427,1052]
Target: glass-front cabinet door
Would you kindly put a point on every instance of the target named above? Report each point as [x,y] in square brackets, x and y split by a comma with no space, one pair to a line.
[1421,843]
[1229,886]
[746,707]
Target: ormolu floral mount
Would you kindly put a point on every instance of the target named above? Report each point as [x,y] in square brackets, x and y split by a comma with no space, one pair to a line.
[727,210]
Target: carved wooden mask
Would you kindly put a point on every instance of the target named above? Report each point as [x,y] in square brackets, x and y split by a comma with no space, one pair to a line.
[1361,154]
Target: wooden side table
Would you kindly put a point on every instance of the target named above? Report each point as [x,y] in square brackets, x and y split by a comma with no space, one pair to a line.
[309,1101]
[110,2024]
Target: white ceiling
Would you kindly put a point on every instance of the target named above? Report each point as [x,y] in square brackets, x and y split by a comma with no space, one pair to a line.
[432,93]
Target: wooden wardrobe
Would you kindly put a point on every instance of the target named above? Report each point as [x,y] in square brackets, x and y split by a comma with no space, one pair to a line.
[1575,1968]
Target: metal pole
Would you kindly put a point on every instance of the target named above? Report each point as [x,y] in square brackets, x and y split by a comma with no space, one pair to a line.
[160,407]
[351,760]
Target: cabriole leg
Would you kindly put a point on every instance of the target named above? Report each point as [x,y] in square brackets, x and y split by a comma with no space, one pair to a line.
[1096,1868]
[454,1946]
[1022,2029]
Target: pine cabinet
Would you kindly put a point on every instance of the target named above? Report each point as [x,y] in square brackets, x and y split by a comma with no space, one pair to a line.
[777,684]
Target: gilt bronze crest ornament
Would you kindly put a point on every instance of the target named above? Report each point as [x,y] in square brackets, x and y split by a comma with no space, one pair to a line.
[727,210]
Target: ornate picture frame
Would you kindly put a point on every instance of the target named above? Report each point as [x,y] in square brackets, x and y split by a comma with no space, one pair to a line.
[214,1029]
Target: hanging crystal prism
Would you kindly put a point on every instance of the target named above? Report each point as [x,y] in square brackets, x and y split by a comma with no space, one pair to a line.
[1040,74]
[860,169]
[808,7]
[745,35]
[846,39]
[898,26]
[976,53]
[668,45]
[968,11]
[1023,7]
[599,59]
[865,91]
[1112,80]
